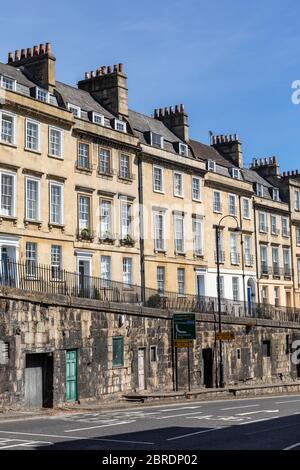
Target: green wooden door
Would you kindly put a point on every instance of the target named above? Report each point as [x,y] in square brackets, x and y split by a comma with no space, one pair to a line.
[71,375]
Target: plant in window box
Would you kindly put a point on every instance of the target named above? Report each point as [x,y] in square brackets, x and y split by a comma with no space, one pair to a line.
[107,237]
[85,234]
[127,240]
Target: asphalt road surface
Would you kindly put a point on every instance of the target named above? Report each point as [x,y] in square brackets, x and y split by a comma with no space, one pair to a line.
[257,423]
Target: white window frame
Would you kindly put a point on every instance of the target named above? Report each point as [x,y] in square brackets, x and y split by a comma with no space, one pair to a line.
[235,173]
[263,228]
[118,122]
[161,279]
[217,210]
[161,169]
[246,200]
[211,165]
[296,200]
[235,288]
[161,145]
[275,194]
[101,118]
[42,90]
[108,203]
[163,228]
[230,195]
[274,228]
[105,259]
[183,282]
[14,82]
[38,181]
[129,225]
[198,222]
[38,124]
[183,150]
[259,189]
[182,184]
[57,129]
[285,227]
[179,218]
[56,268]
[74,107]
[61,185]
[297,236]
[14,123]
[14,197]
[197,178]
[128,271]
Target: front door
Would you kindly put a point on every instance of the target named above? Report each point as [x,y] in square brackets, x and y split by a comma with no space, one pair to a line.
[207,357]
[34,381]
[8,267]
[71,375]
[141,368]
[84,271]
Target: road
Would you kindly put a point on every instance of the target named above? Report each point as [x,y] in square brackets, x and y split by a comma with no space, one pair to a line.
[245,424]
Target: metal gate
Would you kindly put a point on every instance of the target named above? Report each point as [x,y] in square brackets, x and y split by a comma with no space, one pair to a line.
[71,375]
[34,381]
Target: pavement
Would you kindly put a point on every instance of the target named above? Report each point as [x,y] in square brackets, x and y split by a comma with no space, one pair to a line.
[268,423]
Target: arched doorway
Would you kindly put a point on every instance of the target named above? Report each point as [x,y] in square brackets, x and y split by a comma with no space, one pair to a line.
[251,296]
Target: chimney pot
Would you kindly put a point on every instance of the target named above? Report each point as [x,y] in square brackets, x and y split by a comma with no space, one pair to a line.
[98,72]
[170,110]
[160,112]
[17,55]
[115,68]
[109,69]
[156,113]
[283,174]
[23,54]
[48,48]
[42,49]
[86,75]
[35,50]
[29,52]
[297,173]
[121,68]
[176,108]
[293,173]
[182,108]
[10,57]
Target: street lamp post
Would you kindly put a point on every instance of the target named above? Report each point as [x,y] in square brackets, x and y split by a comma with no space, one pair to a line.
[218,228]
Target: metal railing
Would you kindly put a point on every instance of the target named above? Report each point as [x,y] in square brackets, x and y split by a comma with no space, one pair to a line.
[43,279]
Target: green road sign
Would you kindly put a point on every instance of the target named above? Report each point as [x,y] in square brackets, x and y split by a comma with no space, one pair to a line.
[184,326]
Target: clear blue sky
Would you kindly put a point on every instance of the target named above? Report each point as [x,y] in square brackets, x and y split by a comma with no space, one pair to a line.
[231,62]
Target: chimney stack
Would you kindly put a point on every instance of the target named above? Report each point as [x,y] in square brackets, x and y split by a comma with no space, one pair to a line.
[39,62]
[266,166]
[229,147]
[108,85]
[174,119]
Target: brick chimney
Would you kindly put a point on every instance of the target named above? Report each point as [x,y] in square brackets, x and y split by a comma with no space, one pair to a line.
[174,119]
[266,166]
[230,147]
[39,62]
[108,85]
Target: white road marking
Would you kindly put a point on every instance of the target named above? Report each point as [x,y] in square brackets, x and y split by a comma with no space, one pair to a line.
[178,409]
[177,416]
[259,411]
[258,421]
[21,443]
[292,446]
[286,401]
[237,407]
[195,433]
[73,438]
[100,426]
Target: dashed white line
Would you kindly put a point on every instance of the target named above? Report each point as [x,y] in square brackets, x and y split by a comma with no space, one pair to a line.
[238,407]
[258,411]
[286,401]
[180,415]
[100,426]
[195,433]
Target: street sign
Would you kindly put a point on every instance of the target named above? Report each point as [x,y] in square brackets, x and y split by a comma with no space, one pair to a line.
[184,326]
[182,343]
[225,336]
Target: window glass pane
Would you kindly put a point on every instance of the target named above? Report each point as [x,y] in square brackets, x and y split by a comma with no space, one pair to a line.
[84,212]
[32,199]
[118,351]
[31,259]
[7,128]
[104,161]
[55,142]
[32,135]
[83,155]
[7,194]
[56,204]
[56,262]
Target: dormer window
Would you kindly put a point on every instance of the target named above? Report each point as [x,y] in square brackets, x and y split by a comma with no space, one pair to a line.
[42,95]
[120,125]
[98,119]
[211,165]
[183,149]
[8,83]
[275,194]
[235,173]
[259,190]
[74,109]
[156,140]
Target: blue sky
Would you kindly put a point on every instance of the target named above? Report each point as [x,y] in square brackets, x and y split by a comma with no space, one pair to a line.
[231,62]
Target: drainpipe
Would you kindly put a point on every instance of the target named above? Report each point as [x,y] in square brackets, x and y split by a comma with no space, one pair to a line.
[141,225]
[292,249]
[256,253]
[242,256]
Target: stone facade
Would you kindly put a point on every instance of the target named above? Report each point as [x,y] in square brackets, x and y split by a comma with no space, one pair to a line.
[49,326]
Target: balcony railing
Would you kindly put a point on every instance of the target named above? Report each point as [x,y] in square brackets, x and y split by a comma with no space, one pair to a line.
[234,258]
[221,257]
[33,277]
[265,270]
[249,259]
[85,234]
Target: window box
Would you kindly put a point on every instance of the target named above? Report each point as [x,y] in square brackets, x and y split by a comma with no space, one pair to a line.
[108,238]
[85,234]
[127,241]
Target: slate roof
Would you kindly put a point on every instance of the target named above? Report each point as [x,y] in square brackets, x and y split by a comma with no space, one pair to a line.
[206,152]
[16,74]
[81,98]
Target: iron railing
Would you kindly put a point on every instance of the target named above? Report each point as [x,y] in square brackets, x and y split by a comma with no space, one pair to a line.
[45,279]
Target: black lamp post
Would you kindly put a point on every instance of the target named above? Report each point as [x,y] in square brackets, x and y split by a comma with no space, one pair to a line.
[218,228]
